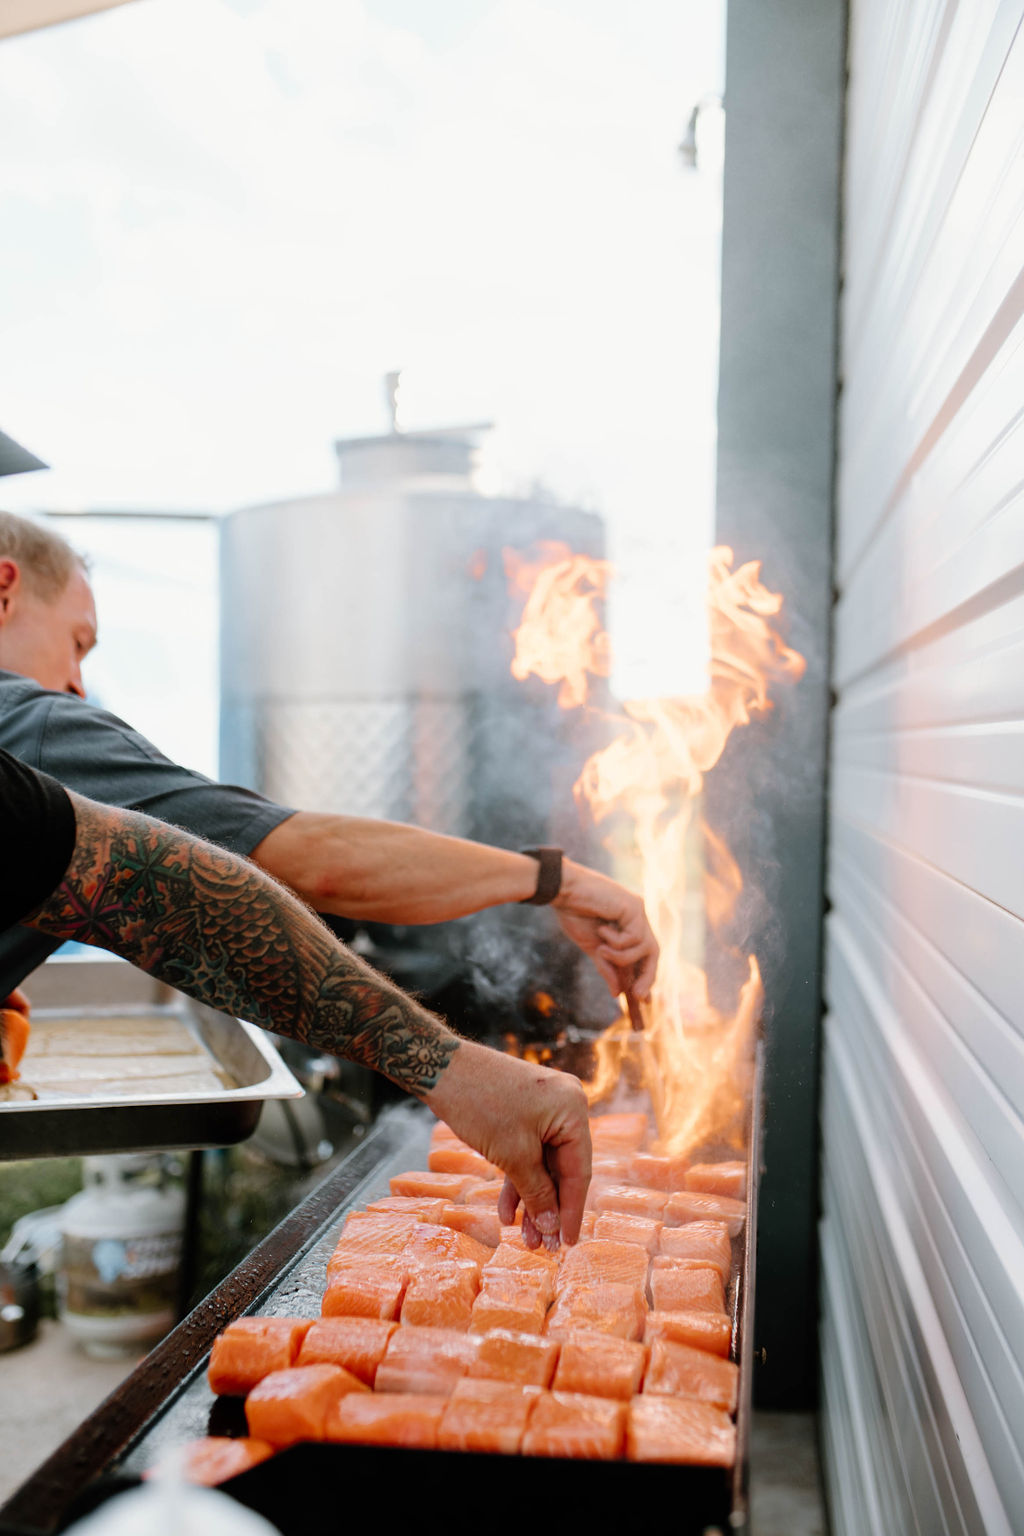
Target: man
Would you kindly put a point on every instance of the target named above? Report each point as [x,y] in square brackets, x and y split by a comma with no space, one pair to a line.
[347,866]
[216,927]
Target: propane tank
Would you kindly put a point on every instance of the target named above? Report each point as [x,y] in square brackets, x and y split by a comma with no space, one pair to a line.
[121,1237]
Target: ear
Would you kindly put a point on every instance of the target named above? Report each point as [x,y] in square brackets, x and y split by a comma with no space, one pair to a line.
[10,586]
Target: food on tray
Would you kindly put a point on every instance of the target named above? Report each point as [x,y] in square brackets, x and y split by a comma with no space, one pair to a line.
[440,1328]
[120,1056]
[212,1459]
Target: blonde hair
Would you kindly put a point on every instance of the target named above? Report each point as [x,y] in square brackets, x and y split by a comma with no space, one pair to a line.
[46,560]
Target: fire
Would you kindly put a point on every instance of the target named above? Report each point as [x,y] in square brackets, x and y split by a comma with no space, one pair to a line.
[691,1057]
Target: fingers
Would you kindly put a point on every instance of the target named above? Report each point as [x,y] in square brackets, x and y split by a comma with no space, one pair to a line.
[508,1203]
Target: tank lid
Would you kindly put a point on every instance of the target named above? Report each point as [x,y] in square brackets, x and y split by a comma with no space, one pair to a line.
[444,457]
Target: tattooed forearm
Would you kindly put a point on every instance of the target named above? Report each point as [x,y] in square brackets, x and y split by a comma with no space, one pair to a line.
[221,930]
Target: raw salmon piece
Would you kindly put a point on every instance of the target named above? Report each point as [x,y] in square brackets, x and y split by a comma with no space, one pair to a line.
[600,1365]
[367,1291]
[618,1133]
[618,1228]
[423,1207]
[475,1222]
[441,1297]
[603,1260]
[611,1170]
[515,1255]
[291,1405]
[485,1415]
[453,1187]
[657,1172]
[427,1360]
[608,1307]
[397,1418]
[708,1240]
[719,1179]
[686,1285]
[701,1330]
[688,1205]
[377,1232]
[486,1194]
[587,1226]
[511,1298]
[441,1134]
[250,1348]
[507,1355]
[677,1429]
[573,1424]
[212,1459]
[357,1343]
[429,1244]
[14,1033]
[676,1370]
[461,1159]
[632,1200]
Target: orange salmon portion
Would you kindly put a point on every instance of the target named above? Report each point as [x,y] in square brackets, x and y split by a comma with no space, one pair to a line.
[367,1291]
[719,1179]
[423,1207]
[212,1459]
[617,1228]
[701,1330]
[484,1415]
[250,1348]
[511,1298]
[631,1200]
[676,1370]
[288,1406]
[674,1429]
[600,1365]
[618,1133]
[473,1221]
[399,1418]
[441,1297]
[429,1360]
[572,1424]
[608,1307]
[377,1232]
[526,1358]
[656,1172]
[686,1285]
[486,1194]
[453,1187]
[462,1159]
[689,1205]
[515,1255]
[357,1343]
[430,1244]
[707,1240]
[604,1261]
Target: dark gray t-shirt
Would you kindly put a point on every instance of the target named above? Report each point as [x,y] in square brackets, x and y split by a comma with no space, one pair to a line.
[99,756]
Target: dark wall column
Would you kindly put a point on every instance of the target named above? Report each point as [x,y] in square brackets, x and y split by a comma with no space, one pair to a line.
[776,413]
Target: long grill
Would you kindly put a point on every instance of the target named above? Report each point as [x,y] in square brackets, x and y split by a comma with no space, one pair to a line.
[167,1400]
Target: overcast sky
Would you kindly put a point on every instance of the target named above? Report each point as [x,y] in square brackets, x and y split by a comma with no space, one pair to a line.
[221,221]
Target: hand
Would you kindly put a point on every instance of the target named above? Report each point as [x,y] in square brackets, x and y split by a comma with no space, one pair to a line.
[609,924]
[532,1122]
[17,1002]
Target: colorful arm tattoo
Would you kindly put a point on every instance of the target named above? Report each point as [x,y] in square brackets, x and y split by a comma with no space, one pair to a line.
[221,930]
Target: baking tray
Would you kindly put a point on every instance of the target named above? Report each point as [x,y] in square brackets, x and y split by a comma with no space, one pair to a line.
[142,1119]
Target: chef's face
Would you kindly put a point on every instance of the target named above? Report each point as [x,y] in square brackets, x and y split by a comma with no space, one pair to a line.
[46,640]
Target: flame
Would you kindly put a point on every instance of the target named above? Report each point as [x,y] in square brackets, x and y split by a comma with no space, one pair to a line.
[691,1057]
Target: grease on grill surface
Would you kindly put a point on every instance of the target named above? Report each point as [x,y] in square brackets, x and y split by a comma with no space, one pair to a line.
[121,1056]
[453,1343]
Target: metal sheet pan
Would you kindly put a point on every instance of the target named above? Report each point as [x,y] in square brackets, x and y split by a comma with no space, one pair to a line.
[136,1118]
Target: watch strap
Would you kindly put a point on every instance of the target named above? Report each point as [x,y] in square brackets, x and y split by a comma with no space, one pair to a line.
[549,877]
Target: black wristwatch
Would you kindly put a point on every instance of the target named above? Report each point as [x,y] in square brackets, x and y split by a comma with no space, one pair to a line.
[549,879]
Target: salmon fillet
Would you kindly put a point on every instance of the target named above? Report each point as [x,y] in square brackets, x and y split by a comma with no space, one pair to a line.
[485,1415]
[453,1187]
[600,1365]
[250,1348]
[686,1285]
[608,1307]
[632,1200]
[441,1297]
[366,1291]
[461,1159]
[486,1194]
[511,1298]
[377,1232]
[657,1172]
[473,1221]
[701,1330]
[689,1205]
[676,1370]
[603,1260]
[617,1228]
[526,1358]
[618,1133]
[288,1406]
[429,1360]
[708,1240]
[675,1429]
[430,1244]
[423,1207]
[397,1418]
[357,1343]
[728,1178]
[212,1459]
[573,1424]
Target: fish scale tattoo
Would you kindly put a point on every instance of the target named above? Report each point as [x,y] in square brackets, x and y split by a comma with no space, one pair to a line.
[212,925]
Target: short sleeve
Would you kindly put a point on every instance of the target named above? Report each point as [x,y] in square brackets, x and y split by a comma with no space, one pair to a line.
[37,838]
